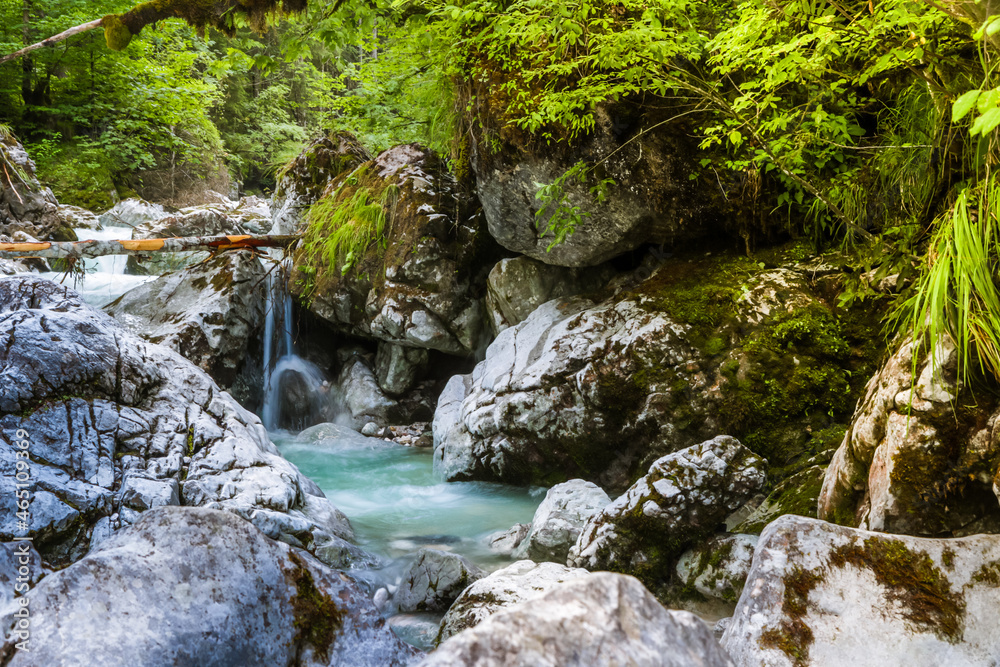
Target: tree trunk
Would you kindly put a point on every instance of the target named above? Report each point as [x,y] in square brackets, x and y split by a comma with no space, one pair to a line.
[91,249]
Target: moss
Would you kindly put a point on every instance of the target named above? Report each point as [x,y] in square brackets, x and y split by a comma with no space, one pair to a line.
[988,573]
[116,34]
[912,580]
[317,618]
[794,636]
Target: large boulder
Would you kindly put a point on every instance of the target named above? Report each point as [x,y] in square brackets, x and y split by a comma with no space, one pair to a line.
[718,568]
[559,519]
[825,595]
[600,390]
[518,285]
[922,454]
[684,497]
[114,425]
[417,276]
[434,580]
[602,619]
[25,205]
[199,586]
[209,313]
[302,182]
[132,213]
[653,198]
[509,586]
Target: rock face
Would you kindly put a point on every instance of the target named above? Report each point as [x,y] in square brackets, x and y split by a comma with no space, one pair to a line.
[559,519]
[821,594]
[602,619]
[921,463]
[517,286]
[26,206]
[199,586]
[658,204]
[302,183]
[685,496]
[514,584]
[434,580]
[20,569]
[719,568]
[208,313]
[116,425]
[423,289]
[366,402]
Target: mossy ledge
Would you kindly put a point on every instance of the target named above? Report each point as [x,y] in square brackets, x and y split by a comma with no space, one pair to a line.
[317,618]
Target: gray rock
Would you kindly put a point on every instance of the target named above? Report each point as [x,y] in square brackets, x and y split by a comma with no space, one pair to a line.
[518,285]
[115,424]
[654,199]
[504,542]
[718,568]
[602,619]
[209,313]
[685,496]
[560,517]
[21,568]
[434,580]
[822,594]
[367,403]
[132,213]
[509,586]
[78,218]
[397,368]
[25,205]
[198,586]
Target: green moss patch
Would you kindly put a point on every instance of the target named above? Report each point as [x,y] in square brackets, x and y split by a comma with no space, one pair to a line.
[317,617]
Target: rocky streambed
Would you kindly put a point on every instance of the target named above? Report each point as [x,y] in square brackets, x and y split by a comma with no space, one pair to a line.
[476,457]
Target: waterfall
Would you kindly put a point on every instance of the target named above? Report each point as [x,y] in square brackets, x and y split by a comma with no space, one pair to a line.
[296,394]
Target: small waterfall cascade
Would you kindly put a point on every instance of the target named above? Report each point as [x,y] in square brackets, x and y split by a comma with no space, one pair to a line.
[296,394]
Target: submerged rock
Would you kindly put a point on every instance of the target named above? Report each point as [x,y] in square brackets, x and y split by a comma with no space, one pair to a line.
[199,586]
[685,496]
[559,519]
[116,425]
[921,455]
[434,580]
[825,595]
[601,619]
[208,313]
[514,584]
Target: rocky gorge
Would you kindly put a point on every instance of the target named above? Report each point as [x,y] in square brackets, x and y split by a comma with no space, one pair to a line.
[427,428]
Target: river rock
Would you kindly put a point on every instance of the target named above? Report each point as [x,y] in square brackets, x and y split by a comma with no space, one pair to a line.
[209,313]
[514,584]
[518,285]
[132,213]
[424,289]
[200,586]
[397,368]
[25,205]
[601,619]
[559,519]
[718,568]
[115,424]
[654,200]
[920,462]
[303,181]
[78,218]
[434,580]
[796,495]
[684,497]
[364,400]
[504,542]
[822,594]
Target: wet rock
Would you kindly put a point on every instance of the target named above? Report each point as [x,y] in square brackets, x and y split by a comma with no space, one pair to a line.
[366,402]
[77,218]
[796,495]
[504,542]
[302,183]
[434,580]
[718,569]
[26,206]
[199,586]
[424,289]
[518,285]
[654,200]
[107,414]
[509,586]
[922,462]
[684,497]
[209,313]
[132,213]
[559,519]
[397,368]
[601,619]
[821,594]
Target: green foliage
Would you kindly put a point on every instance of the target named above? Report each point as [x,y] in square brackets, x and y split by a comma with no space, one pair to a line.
[558,214]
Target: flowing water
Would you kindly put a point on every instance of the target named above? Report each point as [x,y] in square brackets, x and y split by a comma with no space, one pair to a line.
[105,279]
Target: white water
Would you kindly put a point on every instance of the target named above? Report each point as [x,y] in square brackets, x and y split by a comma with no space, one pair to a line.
[105,279]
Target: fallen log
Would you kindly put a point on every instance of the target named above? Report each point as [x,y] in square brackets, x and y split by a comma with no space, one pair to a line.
[91,249]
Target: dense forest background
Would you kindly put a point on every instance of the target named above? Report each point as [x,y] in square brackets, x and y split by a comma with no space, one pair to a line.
[870,123]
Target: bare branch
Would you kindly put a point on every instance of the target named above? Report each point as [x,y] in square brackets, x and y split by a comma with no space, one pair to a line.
[51,41]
